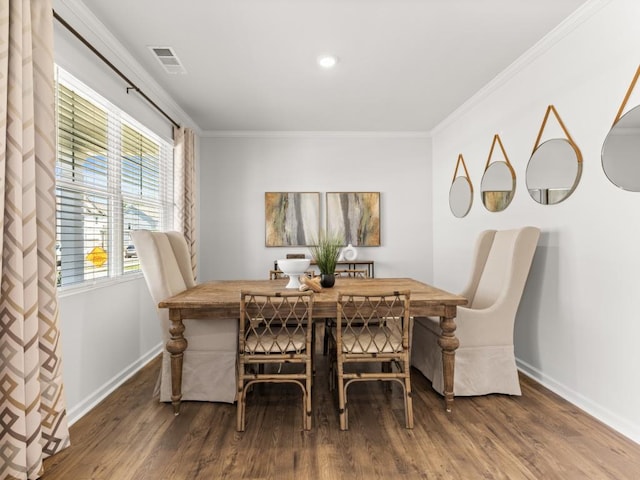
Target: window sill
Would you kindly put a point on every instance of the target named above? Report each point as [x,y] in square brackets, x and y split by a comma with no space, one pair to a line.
[97,284]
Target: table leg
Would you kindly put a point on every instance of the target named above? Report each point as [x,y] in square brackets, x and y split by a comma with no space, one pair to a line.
[176,347]
[448,343]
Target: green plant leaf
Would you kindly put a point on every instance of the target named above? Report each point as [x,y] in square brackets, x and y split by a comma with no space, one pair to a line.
[326,250]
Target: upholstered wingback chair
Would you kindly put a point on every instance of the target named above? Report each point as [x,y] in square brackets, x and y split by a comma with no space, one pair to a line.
[485,361]
[209,368]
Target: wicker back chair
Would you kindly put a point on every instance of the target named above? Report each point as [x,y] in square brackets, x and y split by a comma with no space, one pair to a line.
[275,274]
[352,273]
[275,328]
[348,273]
[371,328]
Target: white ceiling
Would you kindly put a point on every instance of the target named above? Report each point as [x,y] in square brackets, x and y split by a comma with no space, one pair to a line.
[404,65]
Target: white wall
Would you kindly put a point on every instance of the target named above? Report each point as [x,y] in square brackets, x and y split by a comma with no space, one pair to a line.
[236,172]
[107,334]
[578,325]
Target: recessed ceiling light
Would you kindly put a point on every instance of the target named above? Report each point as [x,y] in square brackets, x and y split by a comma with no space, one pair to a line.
[327,61]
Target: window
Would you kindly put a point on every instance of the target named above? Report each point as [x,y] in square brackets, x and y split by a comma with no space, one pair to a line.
[112,176]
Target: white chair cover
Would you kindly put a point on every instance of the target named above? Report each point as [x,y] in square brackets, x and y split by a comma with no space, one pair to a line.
[209,366]
[485,361]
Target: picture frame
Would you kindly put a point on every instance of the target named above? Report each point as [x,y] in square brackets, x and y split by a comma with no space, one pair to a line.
[291,218]
[356,216]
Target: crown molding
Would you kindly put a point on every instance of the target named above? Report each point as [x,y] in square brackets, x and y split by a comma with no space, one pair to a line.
[568,25]
[311,134]
[91,27]
[76,13]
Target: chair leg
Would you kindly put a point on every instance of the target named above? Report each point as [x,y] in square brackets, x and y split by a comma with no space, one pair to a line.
[240,409]
[308,411]
[325,337]
[409,405]
[332,376]
[313,346]
[408,397]
[313,360]
[240,397]
[387,367]
[332,370]
[342,400]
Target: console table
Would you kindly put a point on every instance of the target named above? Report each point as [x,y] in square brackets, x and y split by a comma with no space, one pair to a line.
[350,264]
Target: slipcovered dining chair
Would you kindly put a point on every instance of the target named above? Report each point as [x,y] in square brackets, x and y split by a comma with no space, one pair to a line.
[371,329]
[209,363]
[275,335]
[485,360]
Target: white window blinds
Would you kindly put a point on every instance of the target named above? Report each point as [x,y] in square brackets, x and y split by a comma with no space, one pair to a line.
[112,176]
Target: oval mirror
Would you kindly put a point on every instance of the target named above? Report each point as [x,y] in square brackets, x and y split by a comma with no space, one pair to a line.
[553,171]
[460,196]
[498,186]
[621,152]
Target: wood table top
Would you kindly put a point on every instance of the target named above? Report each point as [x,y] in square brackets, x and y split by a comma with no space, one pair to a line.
[221,298]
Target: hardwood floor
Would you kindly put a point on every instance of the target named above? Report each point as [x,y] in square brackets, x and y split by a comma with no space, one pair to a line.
[537,436]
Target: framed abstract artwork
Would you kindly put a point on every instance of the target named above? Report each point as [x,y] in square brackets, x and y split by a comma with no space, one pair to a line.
[291,218]
[356,215]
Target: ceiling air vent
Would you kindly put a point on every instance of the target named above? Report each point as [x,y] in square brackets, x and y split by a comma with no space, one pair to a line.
[168,59]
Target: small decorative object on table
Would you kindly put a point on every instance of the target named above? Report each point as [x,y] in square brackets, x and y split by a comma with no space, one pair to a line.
[310,284]
[327,280]
[293,268]
[325,252]
[349,253]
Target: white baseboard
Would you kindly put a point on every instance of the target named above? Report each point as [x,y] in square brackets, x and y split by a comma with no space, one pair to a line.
[606,416]
[609,418]
[80,410]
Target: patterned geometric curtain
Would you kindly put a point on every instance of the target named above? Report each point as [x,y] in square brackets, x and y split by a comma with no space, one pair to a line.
[185,188]
[33,421]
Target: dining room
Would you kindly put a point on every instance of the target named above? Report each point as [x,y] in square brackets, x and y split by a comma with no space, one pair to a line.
[574,332]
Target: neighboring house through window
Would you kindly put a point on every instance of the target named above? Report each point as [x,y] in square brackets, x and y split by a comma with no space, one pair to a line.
[112,176]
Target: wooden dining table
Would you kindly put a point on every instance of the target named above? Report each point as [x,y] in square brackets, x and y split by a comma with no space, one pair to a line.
[221,299]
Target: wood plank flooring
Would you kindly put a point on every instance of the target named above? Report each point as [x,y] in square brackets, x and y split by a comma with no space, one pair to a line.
[131,435]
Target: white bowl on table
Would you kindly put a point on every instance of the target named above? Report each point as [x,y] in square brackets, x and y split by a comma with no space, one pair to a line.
[293,268]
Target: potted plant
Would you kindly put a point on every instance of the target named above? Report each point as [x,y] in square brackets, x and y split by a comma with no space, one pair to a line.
[325,253]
